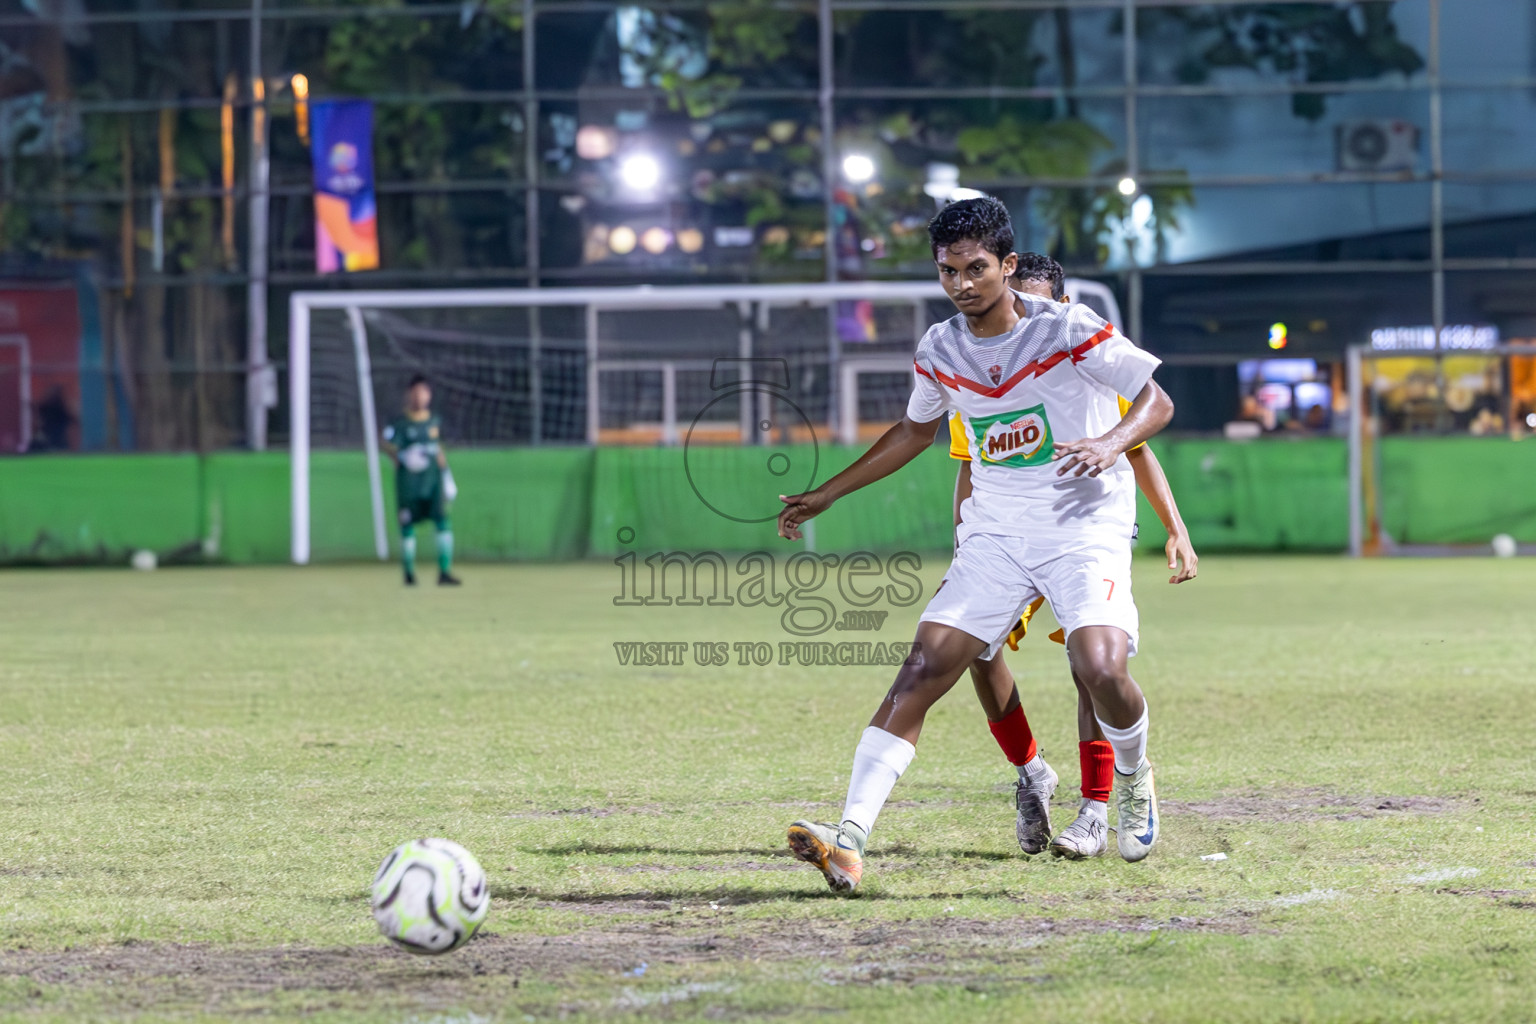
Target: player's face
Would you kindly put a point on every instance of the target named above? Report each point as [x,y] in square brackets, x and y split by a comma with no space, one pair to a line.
[972,277]
[419,398]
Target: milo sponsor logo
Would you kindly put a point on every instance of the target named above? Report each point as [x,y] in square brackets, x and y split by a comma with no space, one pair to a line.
[1020,438]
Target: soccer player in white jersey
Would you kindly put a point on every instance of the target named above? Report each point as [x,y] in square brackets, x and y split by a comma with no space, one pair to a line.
[1051,515]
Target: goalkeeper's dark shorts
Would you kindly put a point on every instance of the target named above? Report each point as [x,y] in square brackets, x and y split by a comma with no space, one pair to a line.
[423,509]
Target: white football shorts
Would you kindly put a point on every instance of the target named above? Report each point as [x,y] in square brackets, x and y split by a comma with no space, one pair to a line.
[993,578]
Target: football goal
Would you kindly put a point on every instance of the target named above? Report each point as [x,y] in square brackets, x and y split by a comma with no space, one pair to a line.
[1461,406]
[705,364]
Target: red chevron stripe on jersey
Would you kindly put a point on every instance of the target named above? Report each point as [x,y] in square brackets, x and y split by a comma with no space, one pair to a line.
[1081,352]
[1034,368]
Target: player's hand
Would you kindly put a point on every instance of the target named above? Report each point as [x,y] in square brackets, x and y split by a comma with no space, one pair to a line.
[1092,455]
[450,489]
[797,509]
[1182,560]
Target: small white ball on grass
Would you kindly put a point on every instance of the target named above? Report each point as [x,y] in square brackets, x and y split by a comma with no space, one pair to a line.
[144,560]
[1504,546]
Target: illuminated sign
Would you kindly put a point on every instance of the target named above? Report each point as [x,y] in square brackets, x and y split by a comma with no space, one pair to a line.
[1456,337]
[1278,336]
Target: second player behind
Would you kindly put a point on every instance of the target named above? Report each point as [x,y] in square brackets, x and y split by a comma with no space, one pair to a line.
[1088,833]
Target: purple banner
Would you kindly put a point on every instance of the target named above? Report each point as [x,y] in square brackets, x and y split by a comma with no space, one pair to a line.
[346,219]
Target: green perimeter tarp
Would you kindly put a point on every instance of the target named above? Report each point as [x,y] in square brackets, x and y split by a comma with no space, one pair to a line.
[564,503]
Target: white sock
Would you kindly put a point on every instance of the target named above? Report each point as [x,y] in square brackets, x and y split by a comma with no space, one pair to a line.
[1130,744]
[1034,768]
[1094,809]
[878,762]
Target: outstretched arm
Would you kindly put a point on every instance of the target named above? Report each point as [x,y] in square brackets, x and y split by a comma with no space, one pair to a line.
[897,446]
[1148,414]
[1182,559]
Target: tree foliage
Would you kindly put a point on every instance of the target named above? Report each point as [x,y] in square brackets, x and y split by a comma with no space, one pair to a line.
[999,140]
[988,140]
[1312,43]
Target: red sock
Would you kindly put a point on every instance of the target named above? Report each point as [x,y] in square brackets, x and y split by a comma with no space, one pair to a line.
[1098,760]
[1013,735]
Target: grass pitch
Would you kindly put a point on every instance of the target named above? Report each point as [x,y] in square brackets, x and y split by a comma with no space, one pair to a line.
[201,769]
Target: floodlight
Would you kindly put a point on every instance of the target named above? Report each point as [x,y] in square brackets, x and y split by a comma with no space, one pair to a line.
[595,142]
[858,168]
[622,240]
[655,240]
[640,172]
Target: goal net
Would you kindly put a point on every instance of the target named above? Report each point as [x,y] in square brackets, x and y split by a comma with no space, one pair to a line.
[1429,449]
[641,366]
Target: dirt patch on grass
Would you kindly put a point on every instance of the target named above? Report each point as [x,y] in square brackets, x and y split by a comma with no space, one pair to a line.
[31,872]
[1312,805]
[941,949]
[1516,899]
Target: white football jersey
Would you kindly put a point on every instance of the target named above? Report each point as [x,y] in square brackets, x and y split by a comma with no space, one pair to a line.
[1053,378]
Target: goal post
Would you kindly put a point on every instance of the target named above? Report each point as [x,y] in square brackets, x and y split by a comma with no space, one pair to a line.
[1418,395]
[370,418]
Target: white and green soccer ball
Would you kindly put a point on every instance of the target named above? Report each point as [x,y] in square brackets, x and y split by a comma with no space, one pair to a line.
[429,896]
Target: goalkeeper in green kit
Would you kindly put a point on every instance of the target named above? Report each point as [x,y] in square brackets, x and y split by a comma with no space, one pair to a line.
[423,483]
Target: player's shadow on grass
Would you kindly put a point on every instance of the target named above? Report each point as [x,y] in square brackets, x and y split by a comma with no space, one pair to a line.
[600,849]
[631,849]
[728,895]
[725,895]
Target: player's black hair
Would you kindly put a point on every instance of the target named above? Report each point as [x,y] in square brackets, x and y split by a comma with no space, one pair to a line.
[418,378]
[1034,266]
[984,221]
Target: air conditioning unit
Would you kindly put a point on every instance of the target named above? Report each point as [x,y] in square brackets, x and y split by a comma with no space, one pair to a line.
[1377,144]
